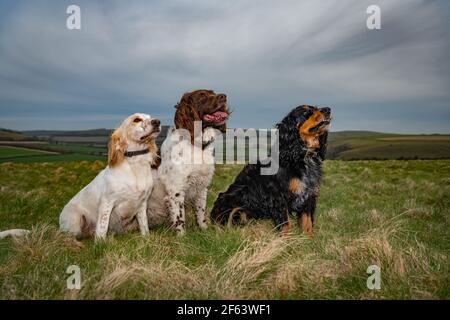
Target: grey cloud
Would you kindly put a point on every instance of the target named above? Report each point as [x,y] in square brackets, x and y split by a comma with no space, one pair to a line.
[267,56]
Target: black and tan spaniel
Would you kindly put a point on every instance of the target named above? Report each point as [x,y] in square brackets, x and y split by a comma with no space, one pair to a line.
[294,188]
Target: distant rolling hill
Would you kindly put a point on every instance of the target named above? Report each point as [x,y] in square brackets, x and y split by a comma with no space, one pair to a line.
[343,145]
[96,136]
[355,145]
[11,135]
[80,133]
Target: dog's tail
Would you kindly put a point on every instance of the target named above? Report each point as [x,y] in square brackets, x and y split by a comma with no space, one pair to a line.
[14,233]
[223,211]
[219,212]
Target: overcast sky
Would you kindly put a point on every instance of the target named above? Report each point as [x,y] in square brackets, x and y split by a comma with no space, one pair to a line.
[267,56]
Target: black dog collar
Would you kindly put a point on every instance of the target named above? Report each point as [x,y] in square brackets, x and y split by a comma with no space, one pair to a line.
[136,153]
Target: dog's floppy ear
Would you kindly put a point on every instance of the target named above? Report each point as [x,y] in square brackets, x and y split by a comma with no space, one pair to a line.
[117,147]
[285,134]
[186,114]
[323,145]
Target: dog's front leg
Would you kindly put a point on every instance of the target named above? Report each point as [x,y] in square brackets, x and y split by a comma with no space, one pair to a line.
[200,208]
[305,214]
[142,219]
[104,214]
[175,201]
[281,220]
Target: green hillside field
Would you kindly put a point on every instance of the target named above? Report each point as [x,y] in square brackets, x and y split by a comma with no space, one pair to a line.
[360,145]
[393,214]
[344,145]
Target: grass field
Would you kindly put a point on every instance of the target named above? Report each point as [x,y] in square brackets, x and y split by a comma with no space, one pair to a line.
[394,214]
[49,152]
[12,152]
[77,148]
[343,145]
[53,158]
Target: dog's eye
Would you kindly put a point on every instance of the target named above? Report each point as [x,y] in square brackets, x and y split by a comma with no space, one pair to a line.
[137,120]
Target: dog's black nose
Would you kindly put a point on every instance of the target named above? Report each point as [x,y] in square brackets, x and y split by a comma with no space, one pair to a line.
[221,97]
[325,110]
[155,122]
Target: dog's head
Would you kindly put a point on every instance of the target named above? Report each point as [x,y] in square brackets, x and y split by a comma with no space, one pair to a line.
[202,105]
[139,131]
[305,129]
[313,124]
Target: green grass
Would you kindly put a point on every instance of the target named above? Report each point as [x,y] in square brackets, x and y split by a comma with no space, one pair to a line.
[53,158]
[50,152]
[12,152]
[77,148]
[394,214]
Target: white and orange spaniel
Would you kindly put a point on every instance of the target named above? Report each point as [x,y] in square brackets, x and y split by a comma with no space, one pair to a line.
[180,183]
[117,197]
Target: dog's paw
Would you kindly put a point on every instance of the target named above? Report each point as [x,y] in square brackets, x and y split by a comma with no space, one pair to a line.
[181,232]
[203,226]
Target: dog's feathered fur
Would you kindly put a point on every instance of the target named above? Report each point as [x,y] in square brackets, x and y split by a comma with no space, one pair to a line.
[180,185]
[118,194]
[294,188]
[116,199]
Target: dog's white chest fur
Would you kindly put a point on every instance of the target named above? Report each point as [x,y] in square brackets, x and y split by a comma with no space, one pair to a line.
[182,180]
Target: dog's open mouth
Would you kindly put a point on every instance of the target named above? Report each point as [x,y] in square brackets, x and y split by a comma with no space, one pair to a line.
[219,116]
[151,134]
[321,125]
[216,117]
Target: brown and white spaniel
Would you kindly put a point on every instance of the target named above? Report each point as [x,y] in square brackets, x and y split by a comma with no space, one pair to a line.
[187,159]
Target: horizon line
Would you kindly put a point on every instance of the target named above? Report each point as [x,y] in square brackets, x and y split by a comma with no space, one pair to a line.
[331,131]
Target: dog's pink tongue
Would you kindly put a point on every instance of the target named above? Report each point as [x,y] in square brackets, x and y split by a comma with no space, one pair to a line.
[217,116]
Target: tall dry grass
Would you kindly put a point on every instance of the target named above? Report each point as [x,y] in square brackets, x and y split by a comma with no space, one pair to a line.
[375,218]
